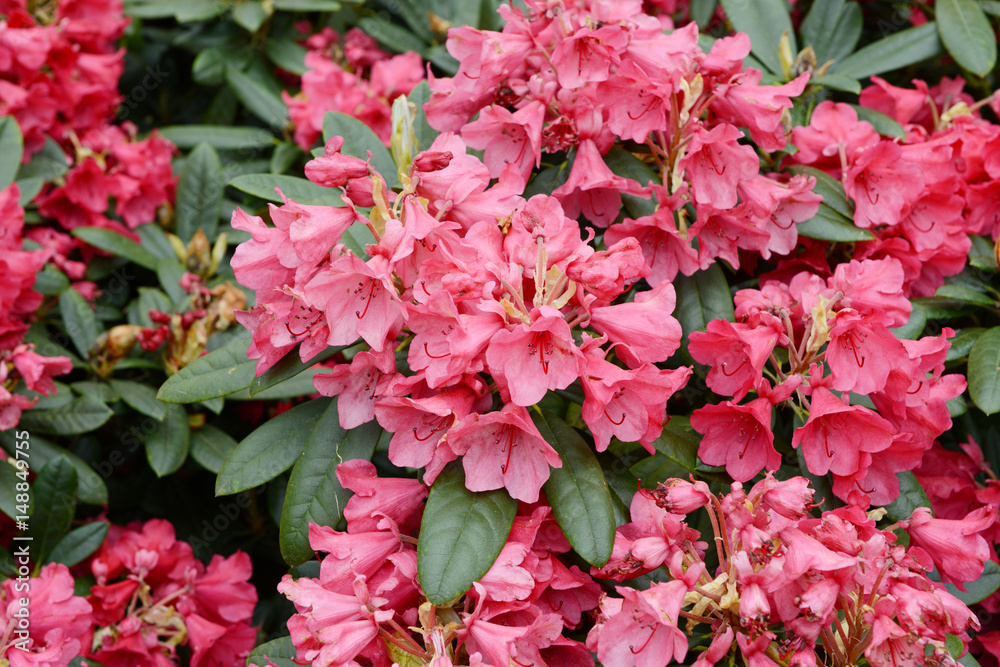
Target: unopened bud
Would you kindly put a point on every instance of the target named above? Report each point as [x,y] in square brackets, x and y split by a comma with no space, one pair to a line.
[429,161]
[680,497]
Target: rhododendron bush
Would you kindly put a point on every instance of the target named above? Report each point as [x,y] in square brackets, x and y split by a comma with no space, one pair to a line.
[547,332]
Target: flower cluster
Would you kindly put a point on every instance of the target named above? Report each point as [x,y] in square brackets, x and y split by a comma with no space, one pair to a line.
[583,75]
[367,605]
[469,295]
[59,68]
[923,196]
[152,596]
[51,629]
[789,588]
[352,76]
[841,357]
[18,303]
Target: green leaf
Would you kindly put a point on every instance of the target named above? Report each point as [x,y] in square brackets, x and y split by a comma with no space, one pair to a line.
[764,21]
[578,493]
[258,97]
[116,244]
[702,11]
[623,163]
[209,69]
[12,148]
[679,442]
[424,132]
[8,568]
[199,193]
[169,272]
[981,255]
[141,398]
[300,385]
[44,167]
[92,489]
[896,51]
[102,391]
[279,651]
[167,445]
[299,189]
[885,125]
[461,534]
[991,7]
[966,294]
[271,449]
[984,372]
[251,14]
[832,28]
[358,140]
[962,343]
[79,320]
[911,496]
[219,136]
[81,415]
[288,367]
[828,225]
[314,494]
[284,156]
[968,661]
[51,281]
[837,82]
[307,5]
[914,325]
[54,495]
[8,490]
[829,188]
[981,588]
[702,298]
[288,55]
[210,447]
[218,373]
[391,35]
[154,239]
[967,34]
[79,543]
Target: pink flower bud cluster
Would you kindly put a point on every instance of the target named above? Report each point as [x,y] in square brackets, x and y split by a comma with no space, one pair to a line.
[42,623]
[924,195]
[789,588]
[584,75]
[470,280]
[59,68]
[839,349]
[352,76]
[367,606]
[18,303]
[152,596]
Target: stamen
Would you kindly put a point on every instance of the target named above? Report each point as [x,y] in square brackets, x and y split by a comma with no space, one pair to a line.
[736,370]
[432,356]
[618,423]
[368,301]
[643,647]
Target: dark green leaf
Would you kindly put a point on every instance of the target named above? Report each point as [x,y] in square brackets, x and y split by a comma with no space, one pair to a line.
[251,14]
[219,136]
[169,272]
[702,11]
[167,445]
[79,321]
[81,415]
[8,490]
[967,34]
[828,225]
[279,651]
[51,281]
[44,167]
[307,5]
[79,543]
[209,68]
[91,487]
[962,343]
[885,125]
[210,447]
[424,132]
[981,588]
[358,140]
[141,398]
[837,82]
[461,535]
[154,239]
[11,148]
[702,298]
[54,494]
[102,391]
[981,255]
[966,294]
[896,51]
[984,372]
[218,373]
[288,367]
[258,97]
[314,494]
[679,442]
[7,566]
[284,156]
[829,188]
[914,325]
[288,55]
[199,193]
[300,385]
[578,493]
[271,449]
[116,244]
[911,496]
[299,189]
[390,35]
[764,21]
[623,163]
[832,28]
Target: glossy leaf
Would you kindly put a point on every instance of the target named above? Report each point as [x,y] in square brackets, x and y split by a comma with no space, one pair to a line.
[299,189]
[116,244]
[832,28]
[702,298]
[288,367]
[218,373]
[829,188]
[11,148]
[210,447]
[829,225]
[280,652]
[461,534]
[358,140]
[896,51]
[578,493]
[92,489]
[54,495]
[218,136]
[80,415]
[984,372]
[911,496]
[314,494]
[199,193]
[271,449]
[981,588]
[141,398]
[885,125]
[764,21]
[257,97]
[967,34]
[168,443]
[79,320]
[79,543]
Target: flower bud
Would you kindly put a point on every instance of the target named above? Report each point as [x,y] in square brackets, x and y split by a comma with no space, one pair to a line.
[680,497]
